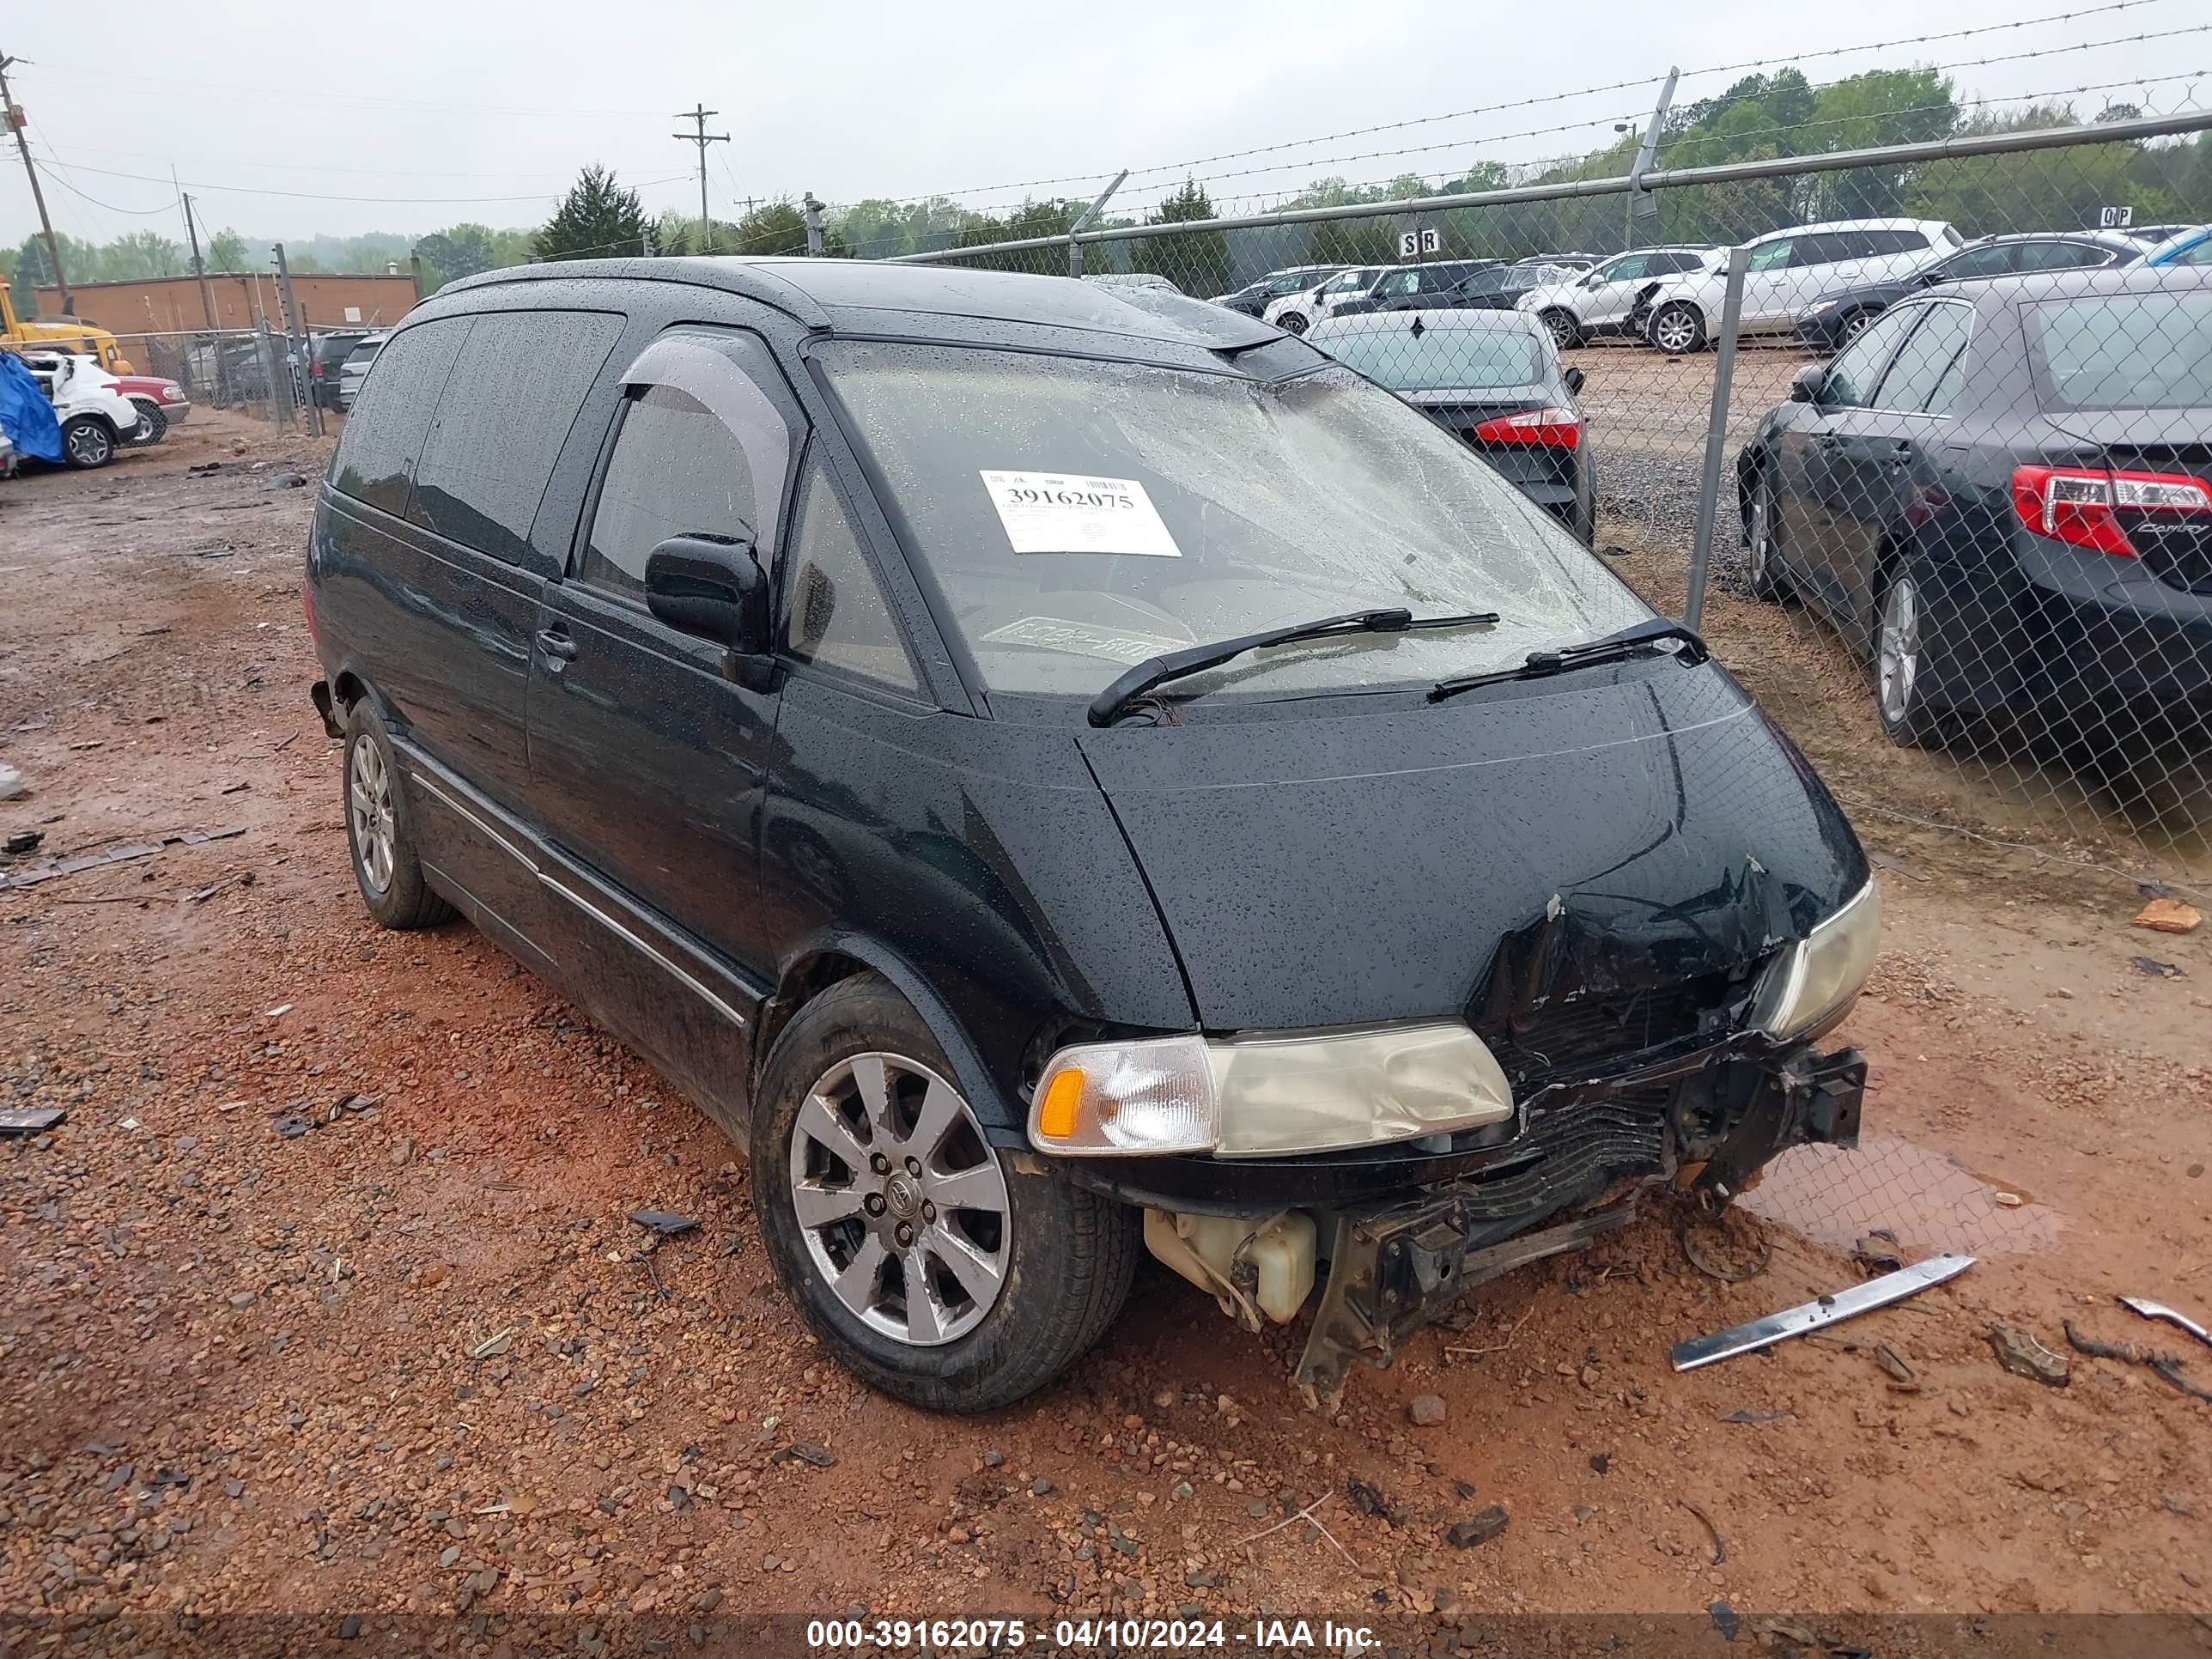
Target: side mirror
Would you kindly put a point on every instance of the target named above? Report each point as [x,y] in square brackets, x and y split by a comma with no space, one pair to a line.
[1805,384]
[1574,378]
[715,589]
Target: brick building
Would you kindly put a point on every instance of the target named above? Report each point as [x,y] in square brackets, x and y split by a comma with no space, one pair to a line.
[164,305]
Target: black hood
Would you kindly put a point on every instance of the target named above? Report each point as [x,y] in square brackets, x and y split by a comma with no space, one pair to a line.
[1621,829]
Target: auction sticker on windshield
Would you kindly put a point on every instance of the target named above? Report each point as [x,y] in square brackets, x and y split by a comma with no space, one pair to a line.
[1064,512]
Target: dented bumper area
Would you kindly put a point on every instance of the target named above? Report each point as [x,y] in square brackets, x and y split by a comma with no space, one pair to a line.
[1572,1170]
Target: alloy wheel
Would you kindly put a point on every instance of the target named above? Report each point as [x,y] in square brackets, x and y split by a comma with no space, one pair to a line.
[1674,329]
[368,803]
[89,444]
[1897,650]
[1856,325]
[1562,327]
[1294,324]
[900,1200]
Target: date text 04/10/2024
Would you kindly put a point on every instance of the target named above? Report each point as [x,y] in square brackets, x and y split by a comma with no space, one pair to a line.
[1076,1635]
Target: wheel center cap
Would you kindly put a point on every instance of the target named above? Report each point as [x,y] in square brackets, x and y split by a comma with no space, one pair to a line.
[902,1196]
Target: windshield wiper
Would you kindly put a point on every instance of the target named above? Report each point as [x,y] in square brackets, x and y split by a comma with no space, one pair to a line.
[1155,671]
[1610,648]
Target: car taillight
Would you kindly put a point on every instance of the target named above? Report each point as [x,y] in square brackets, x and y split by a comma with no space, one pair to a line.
[2080,506]
[1553,428]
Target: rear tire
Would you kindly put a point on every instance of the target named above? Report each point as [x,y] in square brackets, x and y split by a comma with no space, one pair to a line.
[1292,322]
[1903,665]
[380,829]
[1566,332]
[855,1079]
[87,441]
[1678,327]
[1762,565]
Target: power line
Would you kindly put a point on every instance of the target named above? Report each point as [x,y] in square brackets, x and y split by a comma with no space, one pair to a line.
[316,196]
[107,78]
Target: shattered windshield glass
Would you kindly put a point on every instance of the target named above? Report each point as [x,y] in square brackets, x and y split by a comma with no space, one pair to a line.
[1082,515]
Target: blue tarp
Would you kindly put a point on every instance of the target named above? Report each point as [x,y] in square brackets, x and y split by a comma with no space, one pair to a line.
[25,414]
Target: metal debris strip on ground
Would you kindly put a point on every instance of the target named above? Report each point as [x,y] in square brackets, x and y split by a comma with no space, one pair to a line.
[1815,1314]
[123,854]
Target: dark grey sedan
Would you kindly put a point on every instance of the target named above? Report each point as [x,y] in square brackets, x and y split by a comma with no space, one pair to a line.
[1494,377]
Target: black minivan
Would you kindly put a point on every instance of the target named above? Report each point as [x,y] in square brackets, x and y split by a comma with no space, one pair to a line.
[1051,769]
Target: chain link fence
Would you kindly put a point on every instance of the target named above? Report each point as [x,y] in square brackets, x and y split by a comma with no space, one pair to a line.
[1920,436]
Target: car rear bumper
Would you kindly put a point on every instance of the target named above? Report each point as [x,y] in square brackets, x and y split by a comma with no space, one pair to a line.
[2105,631]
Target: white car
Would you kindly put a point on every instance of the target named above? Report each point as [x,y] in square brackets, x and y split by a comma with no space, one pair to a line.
[1787,270]
[1577,305]
[96,417]
[356,366]
[1296,313]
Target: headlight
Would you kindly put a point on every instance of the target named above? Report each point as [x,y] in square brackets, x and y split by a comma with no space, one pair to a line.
[1825,307]
[1267,1096]
[1816,979]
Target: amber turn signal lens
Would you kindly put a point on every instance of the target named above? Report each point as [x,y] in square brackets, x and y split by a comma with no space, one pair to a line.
[1056,1117]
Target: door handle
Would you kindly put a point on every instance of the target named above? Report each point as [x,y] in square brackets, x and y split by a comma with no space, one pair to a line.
[557,645]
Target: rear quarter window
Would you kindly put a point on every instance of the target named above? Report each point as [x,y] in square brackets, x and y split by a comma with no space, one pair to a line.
[513,395]
[2150,350]
[382,444]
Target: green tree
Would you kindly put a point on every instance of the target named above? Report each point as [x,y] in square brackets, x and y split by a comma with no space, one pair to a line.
[1199,262]
[455,253]
[226,250]
[597,219]
[142,254]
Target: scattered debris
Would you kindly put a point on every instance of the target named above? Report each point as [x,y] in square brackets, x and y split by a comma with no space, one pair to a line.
[287,481]
[1427,1410]
[1888,1358]
[1813,1315]
[1307,1515]
[22,841]
[285,743]
[1726,1620]
[492,1346]
[1600,1462]
[2155,967]
[1894,865]
[1495,1347]
[1878,1252]
[212,552]
[1717,1247]
[1478,1528]
[293,1125]
[1745,1414]
[2168,1366]
[281,1008]
[203,468]
[663,1224]
[31,1120]
[11,783]
[2169,916]
[1720,1544]
[806,1451]
[243,878]
[2023,1356]
[2174,1316]
[1367,1501]
[2005,1200]
[123,854]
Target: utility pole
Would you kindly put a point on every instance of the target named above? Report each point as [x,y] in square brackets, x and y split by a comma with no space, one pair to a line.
[16,119]
[697,116]
[296,352]
[199,265]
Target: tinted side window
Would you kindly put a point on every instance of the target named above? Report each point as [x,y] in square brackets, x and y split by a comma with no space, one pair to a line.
[1664,265]
[1923,360]
[1892,241]
[703,450]
[2061,255]
[383,439]
[1851,377]
[514,393]
[1980,261]
[834,611]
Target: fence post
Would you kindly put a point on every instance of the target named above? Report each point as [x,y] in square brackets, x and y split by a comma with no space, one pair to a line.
[812,209]
[278,407]
[1642,203]
[1083,222]
[1708,487]
[295,350]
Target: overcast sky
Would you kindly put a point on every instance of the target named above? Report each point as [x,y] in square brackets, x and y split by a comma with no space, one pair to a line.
[408,117]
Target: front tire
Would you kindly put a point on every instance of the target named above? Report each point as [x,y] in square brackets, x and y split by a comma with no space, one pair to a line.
[1292,322]
[87,441]
[1678,328]
[379,823]
[1902,665]
[920,1256]
[1566,332]
[153,425]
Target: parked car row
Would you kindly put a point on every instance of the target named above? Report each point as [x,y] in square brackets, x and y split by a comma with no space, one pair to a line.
[2000,491]
[95,412]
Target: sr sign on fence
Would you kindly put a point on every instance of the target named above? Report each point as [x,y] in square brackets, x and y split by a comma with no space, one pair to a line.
[1412,244]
